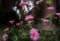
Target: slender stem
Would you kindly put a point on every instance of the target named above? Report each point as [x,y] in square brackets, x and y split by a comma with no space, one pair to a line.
[30,26]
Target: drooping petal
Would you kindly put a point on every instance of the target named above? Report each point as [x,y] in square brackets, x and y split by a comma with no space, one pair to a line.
[58,14]
[6,29]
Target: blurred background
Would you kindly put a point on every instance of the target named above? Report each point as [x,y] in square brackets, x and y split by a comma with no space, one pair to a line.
[29,20]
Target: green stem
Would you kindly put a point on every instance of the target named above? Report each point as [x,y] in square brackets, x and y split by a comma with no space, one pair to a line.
[30,26]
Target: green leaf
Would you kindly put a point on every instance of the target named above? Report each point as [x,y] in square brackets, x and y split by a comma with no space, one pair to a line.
[48,2]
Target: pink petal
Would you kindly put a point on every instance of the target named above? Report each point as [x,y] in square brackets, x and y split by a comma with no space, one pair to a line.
[50,8]
[23,3]
[11,21]
[58,14]
[44,20]
[6,29]
[17,24]
[28,17]
[5,36]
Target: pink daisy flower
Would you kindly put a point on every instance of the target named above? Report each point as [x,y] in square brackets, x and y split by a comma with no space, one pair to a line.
[34,35]
[5,37]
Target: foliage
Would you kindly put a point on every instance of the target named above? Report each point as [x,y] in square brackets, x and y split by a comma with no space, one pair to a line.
[21,33]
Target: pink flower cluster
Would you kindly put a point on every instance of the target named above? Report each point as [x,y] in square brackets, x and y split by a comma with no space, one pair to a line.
[34,35]
[23,3]
[28,17]
[50,8]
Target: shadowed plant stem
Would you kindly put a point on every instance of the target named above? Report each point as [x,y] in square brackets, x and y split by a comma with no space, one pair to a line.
[30,26]
[34,40]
